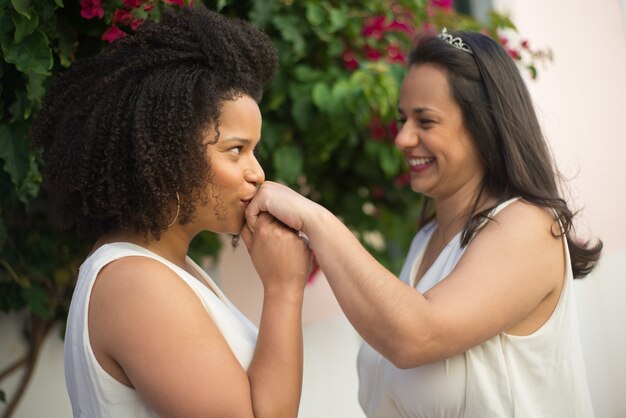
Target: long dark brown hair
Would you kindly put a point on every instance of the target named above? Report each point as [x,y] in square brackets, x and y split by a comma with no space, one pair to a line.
[498,112]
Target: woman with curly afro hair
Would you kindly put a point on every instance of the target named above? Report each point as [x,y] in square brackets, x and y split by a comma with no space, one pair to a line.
[145,145]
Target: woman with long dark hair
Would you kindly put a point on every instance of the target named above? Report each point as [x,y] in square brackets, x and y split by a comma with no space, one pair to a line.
[482,322]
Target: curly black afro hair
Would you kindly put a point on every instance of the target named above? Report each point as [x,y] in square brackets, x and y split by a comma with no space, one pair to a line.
[121,132]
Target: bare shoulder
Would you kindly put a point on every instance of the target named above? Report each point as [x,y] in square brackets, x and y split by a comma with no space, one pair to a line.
[148,324]
[526,221]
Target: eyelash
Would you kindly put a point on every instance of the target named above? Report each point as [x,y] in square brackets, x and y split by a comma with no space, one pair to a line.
[422,122]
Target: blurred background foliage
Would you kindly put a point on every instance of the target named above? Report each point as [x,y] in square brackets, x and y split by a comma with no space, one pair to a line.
[328,129]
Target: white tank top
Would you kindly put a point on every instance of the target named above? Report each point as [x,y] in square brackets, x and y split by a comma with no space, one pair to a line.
[534,376]
[96,394]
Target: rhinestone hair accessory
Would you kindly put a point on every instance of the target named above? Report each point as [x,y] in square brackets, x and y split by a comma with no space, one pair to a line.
[455,42]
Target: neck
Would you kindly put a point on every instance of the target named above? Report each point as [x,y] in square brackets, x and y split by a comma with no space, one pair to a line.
[452,212]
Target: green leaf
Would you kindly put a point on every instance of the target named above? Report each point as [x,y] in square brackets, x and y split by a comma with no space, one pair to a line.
[221,4]
[21,108]
[32,54]
[291,31]
[59,3]
[322,96]
[14,152]
[66,47]
[32,181]
[3,398]
[38,300]
[35,89]
[338,20]
[315,14]
[24,26]
[262,12]
[22,7]
[302,109]
[287,160]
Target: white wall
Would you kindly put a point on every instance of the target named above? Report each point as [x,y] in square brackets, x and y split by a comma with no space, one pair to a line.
[581,101]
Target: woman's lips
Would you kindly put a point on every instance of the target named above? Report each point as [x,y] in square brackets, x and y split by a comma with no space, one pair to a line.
[419,164]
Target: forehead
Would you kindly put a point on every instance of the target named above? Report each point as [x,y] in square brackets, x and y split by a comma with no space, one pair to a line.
[425,84]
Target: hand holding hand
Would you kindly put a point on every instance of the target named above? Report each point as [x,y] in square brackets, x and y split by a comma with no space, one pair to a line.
[282,203]
[279,255]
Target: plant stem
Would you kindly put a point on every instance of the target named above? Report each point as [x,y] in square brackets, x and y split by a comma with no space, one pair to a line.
[39,330]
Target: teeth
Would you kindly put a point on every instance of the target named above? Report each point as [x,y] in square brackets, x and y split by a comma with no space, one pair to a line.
[420,161]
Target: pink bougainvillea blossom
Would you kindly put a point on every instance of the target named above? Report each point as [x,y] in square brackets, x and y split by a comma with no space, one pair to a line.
[374,27]
[402,180]
[91,8]
[442,4]
[122,16]
[514,53]
[349,60]
[133,4]
[397,26]
[136,23]
[377,129]
[393,130]
[180,3]
[371,53]
[395,55]
[112,34]
[148,7]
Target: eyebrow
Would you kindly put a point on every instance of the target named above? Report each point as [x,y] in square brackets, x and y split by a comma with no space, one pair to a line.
[418,110]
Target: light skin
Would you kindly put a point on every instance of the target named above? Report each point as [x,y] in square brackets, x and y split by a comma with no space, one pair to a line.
[508,280]
[171,351]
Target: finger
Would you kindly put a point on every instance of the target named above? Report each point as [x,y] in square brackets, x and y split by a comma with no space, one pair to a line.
[257,205]
[246,235]
[265,218]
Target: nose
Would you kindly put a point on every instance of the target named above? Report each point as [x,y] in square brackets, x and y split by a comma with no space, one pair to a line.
[406,137]
[254,172]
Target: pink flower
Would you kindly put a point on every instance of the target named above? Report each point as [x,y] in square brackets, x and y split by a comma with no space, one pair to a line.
[504,41]
[396,26]
[402,180]
[112,34]
[148,7]
[378,193]
[91,8]
[122,16]
[349,60]
[133,4]
[514,53]
[180,3]
[395,55]
[136,23]
[371,54]
[393,129]
[525,44]
[374,27]
[377,129]
[442,4]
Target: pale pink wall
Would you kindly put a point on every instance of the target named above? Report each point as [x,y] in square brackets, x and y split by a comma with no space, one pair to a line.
[581,102]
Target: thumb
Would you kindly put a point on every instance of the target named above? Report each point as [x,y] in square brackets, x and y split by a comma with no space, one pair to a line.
[246,235]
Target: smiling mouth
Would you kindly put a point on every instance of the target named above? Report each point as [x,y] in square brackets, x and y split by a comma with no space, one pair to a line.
[417,162]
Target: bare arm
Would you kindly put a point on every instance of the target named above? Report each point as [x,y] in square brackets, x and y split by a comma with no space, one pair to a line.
[146,322]
[511,266]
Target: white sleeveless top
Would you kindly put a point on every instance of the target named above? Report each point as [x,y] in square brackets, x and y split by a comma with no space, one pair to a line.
[534,376]
[96,394]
